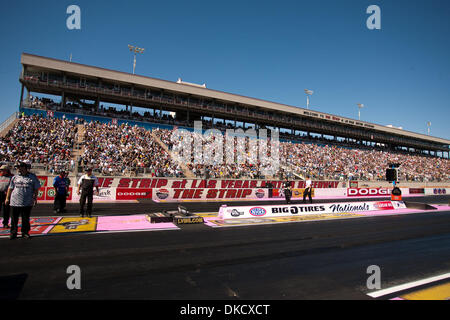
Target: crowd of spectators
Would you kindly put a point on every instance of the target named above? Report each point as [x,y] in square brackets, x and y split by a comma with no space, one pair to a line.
[321,162]
[113,149]
[39,140]
[336,163]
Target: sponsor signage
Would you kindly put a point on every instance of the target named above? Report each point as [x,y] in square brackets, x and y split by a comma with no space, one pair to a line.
[416,191]
[75,225]
[368,192]
[439,191]
[133,193]
[38,225]
[157,183]
[188,220]
[50,193]
[296,193]
[226,212]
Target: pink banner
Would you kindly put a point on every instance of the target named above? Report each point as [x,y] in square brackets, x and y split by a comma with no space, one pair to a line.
[135,222]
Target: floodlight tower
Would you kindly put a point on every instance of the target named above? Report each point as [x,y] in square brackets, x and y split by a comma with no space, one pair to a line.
[308,94]
[360,106]
[135,50]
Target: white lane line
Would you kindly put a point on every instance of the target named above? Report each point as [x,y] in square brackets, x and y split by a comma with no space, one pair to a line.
[409,285]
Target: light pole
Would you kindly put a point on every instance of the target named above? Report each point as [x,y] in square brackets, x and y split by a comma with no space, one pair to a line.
[360,106]
[429,126]
[135,50]
[308,93]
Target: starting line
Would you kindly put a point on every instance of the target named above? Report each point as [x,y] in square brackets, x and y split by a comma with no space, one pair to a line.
[103,224]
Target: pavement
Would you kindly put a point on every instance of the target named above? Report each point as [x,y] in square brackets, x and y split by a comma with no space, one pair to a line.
[325,259]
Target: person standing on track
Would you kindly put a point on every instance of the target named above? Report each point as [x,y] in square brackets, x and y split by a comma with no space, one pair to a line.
[87,183]
[22,196]
[308,190]
[287,191]
[5,178]
[61,184]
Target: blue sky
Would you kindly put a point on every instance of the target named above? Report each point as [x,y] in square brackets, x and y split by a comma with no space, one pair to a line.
[270,50]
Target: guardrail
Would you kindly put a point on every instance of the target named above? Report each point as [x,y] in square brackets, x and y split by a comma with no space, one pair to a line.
[8,121]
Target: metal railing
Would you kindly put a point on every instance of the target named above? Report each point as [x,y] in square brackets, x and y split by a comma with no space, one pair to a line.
[8,121]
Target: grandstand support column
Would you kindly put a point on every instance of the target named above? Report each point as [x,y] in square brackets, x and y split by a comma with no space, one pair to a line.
[63,99]
[21,97]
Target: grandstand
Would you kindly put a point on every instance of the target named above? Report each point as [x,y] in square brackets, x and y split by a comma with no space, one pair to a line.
[76,129]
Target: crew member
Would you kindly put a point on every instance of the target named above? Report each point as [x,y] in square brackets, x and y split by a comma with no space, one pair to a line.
[5,178]
[287,191]
[61,184]
[86,186]
[22,196]
[308,190]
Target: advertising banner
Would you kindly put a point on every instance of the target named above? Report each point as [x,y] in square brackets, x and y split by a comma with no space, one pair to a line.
[157,183]
[50,193]
[296,193]
[133,193]
[105,194]
[201,194]
[368,192]
[231,212]
[75,225]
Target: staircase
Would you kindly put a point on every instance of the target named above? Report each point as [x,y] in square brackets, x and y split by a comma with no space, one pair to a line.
[187,173]
[8,124]
[78,148]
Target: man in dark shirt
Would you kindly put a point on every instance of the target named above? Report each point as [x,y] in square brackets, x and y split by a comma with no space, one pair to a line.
[61,184]
[5,178]
[86,186]
[287,191]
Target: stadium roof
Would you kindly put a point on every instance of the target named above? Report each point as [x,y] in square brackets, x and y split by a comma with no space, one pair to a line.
[34,62]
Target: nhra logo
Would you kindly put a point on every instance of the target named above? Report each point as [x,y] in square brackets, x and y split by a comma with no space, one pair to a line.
[257,211]
[439,191]
[357,192]
[162,194]
[259,193]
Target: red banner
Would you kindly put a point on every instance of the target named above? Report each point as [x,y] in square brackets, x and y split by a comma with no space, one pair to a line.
[133,193]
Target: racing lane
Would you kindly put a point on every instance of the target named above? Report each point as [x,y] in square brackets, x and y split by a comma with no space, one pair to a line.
[310,260]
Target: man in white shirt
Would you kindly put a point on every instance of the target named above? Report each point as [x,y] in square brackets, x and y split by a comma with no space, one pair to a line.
[308,190]
[87,183]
